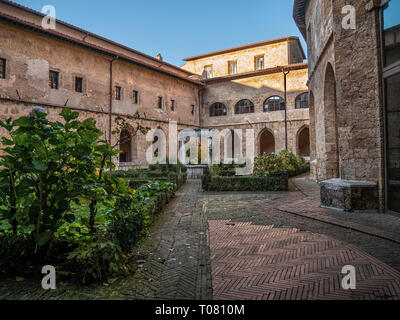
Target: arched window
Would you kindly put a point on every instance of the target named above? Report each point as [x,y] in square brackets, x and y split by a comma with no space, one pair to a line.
[244,106]
[218,110]
[302,101]
[274,103]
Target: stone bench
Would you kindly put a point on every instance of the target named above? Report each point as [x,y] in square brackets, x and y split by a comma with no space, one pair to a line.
[349,195]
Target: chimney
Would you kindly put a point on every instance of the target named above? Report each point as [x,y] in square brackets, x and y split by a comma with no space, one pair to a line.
[159,57]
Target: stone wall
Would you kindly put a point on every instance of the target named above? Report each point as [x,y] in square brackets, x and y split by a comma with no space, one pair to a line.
[282,53]
[344,72]
[30,56]
[257,90]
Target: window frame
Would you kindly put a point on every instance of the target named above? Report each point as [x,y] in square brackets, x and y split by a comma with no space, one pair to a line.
[209,66]
[3,70]
[230,64]
[81,82]
[118,93]
[173,105]
[281,101]
[298,98]
[57,79]
[160,103]
[215,109]
[388,71]
[239,107]
[135,97]
[256,62]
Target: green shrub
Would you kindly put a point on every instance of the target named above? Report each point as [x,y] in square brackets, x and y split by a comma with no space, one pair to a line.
[96,260]
[13,253]
[130,221]
[278,182]
[45,167]
[286,161]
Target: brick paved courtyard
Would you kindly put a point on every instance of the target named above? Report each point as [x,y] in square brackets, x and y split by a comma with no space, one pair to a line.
[277,246]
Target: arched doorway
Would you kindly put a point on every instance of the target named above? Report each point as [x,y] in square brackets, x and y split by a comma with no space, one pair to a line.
[267,143]
[331,140]
[303,142]
[125,145]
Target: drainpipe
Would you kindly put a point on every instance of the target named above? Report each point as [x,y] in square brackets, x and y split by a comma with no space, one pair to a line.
[285,73]
[111,100]
[200,105]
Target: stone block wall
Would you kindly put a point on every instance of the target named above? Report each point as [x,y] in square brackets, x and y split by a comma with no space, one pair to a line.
[30,56]
[353,143]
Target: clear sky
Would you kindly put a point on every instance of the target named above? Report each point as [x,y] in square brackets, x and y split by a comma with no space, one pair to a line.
[177,28]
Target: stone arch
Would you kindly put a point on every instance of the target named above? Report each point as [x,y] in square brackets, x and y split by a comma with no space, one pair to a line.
[330,122]
[303,141]
[266,142]
[125,145]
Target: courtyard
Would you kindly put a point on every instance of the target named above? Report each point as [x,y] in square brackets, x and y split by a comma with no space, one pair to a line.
[241,245]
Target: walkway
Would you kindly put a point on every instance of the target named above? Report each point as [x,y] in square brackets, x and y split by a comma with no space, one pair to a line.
[260,251]
[272,245]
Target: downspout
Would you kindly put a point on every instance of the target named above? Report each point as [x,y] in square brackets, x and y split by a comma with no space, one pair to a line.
[200,92]
[111,100]
[285,73]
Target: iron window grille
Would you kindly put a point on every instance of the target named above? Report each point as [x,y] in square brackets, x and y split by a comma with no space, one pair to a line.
[79,84]
[2,68]
[118,93]
[53,79]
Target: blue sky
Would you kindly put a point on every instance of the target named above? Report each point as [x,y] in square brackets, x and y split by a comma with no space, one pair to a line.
[177,28]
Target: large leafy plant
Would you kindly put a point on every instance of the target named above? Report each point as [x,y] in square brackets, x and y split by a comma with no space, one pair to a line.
[45,167]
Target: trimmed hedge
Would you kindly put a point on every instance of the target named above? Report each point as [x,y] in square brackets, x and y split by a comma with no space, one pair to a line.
[278,182]
[157,172]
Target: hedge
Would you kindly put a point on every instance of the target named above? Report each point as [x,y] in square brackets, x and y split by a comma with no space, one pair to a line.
[278,182]
[157,172]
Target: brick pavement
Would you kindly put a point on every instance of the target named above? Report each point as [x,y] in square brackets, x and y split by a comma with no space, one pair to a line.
[261,251]
[267,263]
[258,251]
[173,262]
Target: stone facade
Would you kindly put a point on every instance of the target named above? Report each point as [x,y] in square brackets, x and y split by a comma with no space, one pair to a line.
[31,52]
[346,95]
[118,81]
[280,55]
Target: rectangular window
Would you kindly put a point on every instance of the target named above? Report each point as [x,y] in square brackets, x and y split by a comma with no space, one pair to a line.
[53,79]
[135,97]
[259,63]
[232,67]
[173,105]
[79,84]
[2,68]
[193,109]
[160,102]
[118,93]
[391,31]
[208,71]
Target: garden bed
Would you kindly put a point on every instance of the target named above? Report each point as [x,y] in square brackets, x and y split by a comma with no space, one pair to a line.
[271,173]
[62,205]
